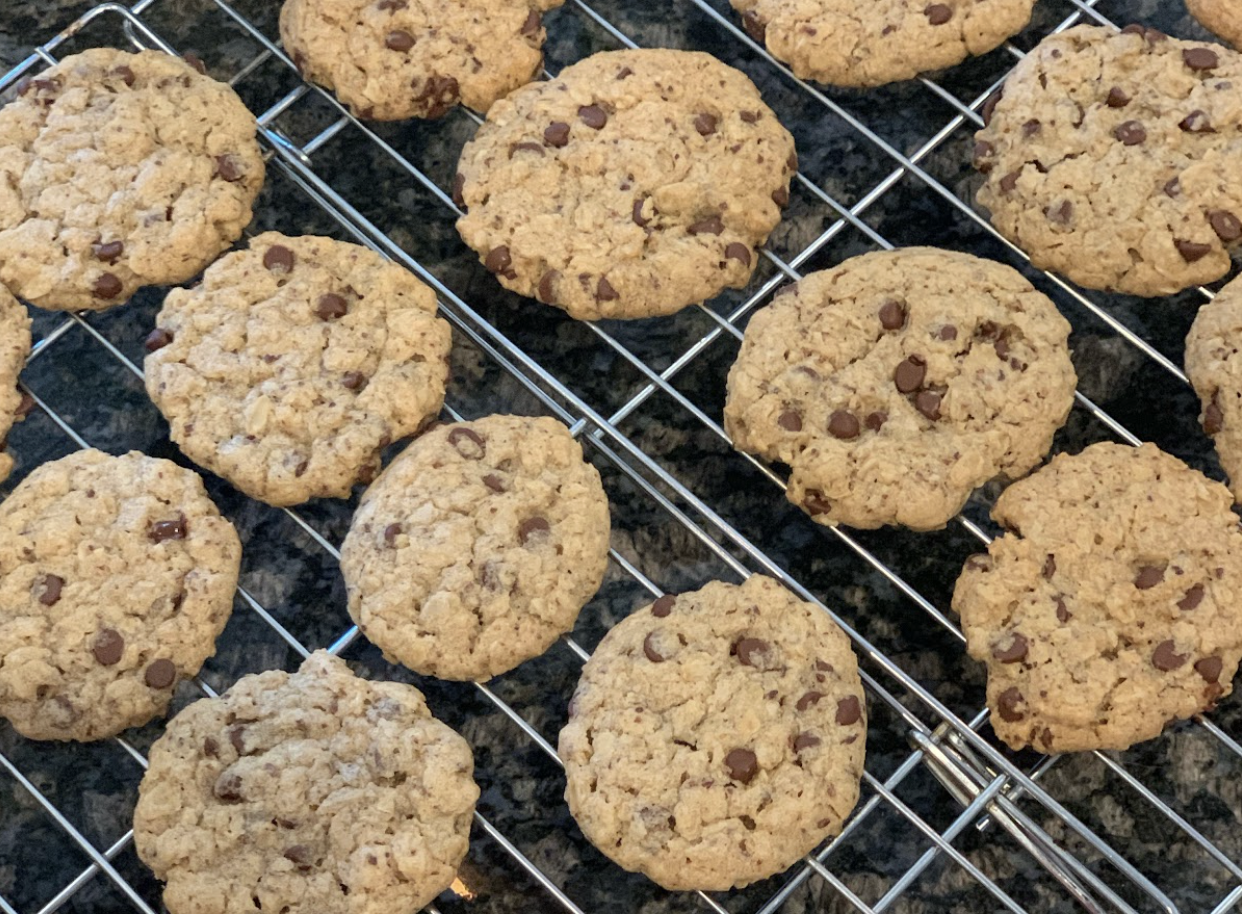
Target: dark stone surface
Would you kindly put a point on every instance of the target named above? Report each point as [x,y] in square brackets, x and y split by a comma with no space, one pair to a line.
[291,574]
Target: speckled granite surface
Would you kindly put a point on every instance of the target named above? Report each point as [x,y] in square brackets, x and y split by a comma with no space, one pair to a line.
[297,580]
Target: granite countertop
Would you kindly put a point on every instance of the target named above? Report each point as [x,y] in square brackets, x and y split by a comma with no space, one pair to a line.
[298,581]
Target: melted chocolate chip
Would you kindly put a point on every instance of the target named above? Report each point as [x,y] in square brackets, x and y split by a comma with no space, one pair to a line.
[157,339]
[1192,251]
[48,588]
[749,651]
[849,711]
[533,528]
[278,259]
[739,252]
[710,226]
[649,649]
[1015,651]
[161,674]
[163,530]
[1192,599]
[927,402]
[331,307]
[108,647]
[604,290]
[547,287]
[705,124]
[299,855]
[532,24]
[228,788]
[354,380]
[1007,705]
[808,698]
[637,215]
[1213,417]
[938,13]
[467,442]
[1225,224]
[1050,567]
[1197,121]
[106,286]
[1131,133]
[459,187]
[663,606]
[1165,657]
[108,252]
[1209,668]
[391,532]
[843,424]
[494,482]
[124,73]
[804,741]
[875,421]
[1063,613]
[593,116]
[556,134]
[1117,98]
[1148,577]
[742,765]
[892,315]
[228,168]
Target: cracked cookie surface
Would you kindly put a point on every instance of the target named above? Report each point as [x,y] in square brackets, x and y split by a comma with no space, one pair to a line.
[1224,17]
[632,185]
[311,793]
[716,737]
[119,171]
[395,59]
[1215,369]
[898,382]
[477,547]
[294,363]
[1110,159]
[14,348]
[116,576]
[1111,607]
[873,42]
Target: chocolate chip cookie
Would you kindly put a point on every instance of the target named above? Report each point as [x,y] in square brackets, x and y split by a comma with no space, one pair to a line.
[393,59]
[634,184]
[116,576]
[1110,159]
[477,547]
[898,382]
[119,171]
[294,363]
[14,347]
[1224,17]
[311,793]
[1215,370]
[1111,607]
[716,737]
[872,42]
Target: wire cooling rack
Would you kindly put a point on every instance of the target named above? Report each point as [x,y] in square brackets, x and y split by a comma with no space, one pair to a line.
[949,820]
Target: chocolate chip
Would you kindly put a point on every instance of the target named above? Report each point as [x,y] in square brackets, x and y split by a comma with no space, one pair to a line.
[399,40]
[748,649]
[739,252]
[938,13]
[161,674]
[1209,668]
[391,532]
[124,73]
[547,286]
[228,788]
[1007,705]
[815,502]
[624,73]
[1031,127]
[1117,98]
[1197,121]
[909,374]
[331,307]
[649,650]
[1201,58]
[593,116]
[228,168]
[983,151]
[354,380]
[494,482]
[742,765]
[780,197]
[526,147]
[1050,567]
[237,737]
[892,315]
[25,406]
[843,424]
[875,421]
[805,741]
[1131,133]
[440,93]
[48,587]
[1060,213]
[756,27]
[1063,614]
[534,528]
[1173,187]
[1165,657]
[556,134]
[196,62]
[392,5]
[808,698]
[1192,599]
[1191,251]
[947,332]
[107,286]
[663,606]
[989,105]
[1213,417]
[1010,181]
[1225,224]
[749,117]
[459,187]
[108,647]
[849,711]
[299,855]
[467,443]
[108,252]
[604,291]
[712,226]
[532,24]
[211,748]
[928,403]
[498,259]
[278,259]
[1017,649]
[163,530]
[790,421]
[980,562]
[157,339]
[637,214]
[705,124]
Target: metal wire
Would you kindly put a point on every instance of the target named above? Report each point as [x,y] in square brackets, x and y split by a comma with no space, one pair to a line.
[986,783]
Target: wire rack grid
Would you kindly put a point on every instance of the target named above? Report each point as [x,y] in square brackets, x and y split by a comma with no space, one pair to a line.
[948,819]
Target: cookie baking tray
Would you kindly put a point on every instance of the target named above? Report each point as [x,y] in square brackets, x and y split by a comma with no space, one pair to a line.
[949,819]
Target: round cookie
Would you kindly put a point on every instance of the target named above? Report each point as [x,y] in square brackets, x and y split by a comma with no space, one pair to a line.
[873,42]
[717,737]
[116,576]
[898,382]
[1109,159]
[394,59]
[634,184]
[1224,17]
[311,793]
[477,547]
[294,363]
[119,171]
[14,348]
[1215,370]
[1111,607]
